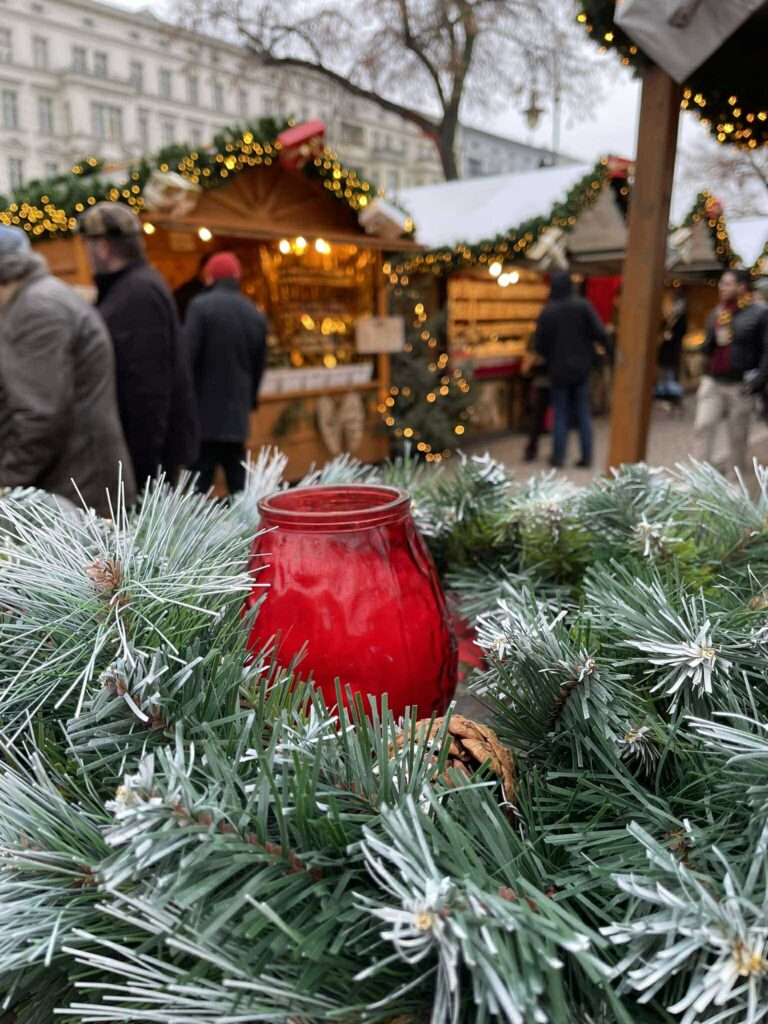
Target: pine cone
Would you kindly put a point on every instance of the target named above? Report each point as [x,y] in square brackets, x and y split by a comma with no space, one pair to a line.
[473,744]
[105,575]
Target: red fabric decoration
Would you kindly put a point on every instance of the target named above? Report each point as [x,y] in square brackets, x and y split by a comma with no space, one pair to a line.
[300,144]
[601,292]
[221,265]
[619,167]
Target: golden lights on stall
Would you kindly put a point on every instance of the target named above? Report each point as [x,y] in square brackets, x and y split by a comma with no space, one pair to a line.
[204,234]
[149,228]
[208,167]
[495,253]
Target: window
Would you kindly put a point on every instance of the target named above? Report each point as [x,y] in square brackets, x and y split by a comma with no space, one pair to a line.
[142,125]
[195,136]
[107,122]
[6,46]
[136,75]
[10,103]
[79,59]
[193,90]
[242,102]
[45,114]
[50,169]
[217,97]
[393,181]
[352,133]
[100,64]
[16,172]
[40,52]
[474,167]
[165,84]
[167,133]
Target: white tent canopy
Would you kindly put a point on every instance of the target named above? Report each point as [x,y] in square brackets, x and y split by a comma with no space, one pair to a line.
[748,238]
[473,209]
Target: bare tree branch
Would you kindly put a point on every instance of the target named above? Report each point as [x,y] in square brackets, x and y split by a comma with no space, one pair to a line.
[442,57]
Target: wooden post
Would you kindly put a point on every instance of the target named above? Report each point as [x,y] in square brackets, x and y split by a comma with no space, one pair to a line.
[640,314]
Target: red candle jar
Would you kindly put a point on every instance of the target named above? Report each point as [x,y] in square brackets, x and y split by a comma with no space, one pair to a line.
[351,579]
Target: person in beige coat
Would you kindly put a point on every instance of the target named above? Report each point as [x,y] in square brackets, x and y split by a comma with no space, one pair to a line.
[59,425]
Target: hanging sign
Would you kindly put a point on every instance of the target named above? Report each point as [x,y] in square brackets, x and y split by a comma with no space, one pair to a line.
[380,334]
[679,35]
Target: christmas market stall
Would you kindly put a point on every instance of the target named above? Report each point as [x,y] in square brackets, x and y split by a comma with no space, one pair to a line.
[704,57]
[487,264]
[704,245]
[309,235]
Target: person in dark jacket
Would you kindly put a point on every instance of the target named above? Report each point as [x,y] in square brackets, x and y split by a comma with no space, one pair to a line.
[736,348]
[673,332]
[226,336]
[191,288]
[59,426]
[154,380]
[567,334]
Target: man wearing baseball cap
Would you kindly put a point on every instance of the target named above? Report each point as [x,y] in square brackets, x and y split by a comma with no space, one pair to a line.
[59,426]
[226,337]
[154,382]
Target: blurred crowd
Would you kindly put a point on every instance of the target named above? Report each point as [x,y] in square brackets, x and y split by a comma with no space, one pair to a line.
[93,398]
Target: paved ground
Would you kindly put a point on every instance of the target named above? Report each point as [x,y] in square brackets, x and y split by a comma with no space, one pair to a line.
[669,443]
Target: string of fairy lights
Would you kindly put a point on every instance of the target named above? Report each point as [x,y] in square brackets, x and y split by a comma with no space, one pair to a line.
[732,118]
[512,244]
[709,210]
[443,387]
[49,208]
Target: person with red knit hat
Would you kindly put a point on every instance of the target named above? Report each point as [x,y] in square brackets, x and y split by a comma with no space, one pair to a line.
[226,337]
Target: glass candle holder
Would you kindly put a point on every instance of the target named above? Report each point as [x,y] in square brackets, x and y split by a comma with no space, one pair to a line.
[351,581]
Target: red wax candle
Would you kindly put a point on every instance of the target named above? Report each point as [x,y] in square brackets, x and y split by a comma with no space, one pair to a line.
[350,577]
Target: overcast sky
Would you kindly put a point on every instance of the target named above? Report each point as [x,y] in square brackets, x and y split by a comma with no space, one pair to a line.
[609,127]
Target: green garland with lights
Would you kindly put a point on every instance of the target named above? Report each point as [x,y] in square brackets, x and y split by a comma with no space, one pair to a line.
[48,208]
[708,209]
[514,243]
[727,93]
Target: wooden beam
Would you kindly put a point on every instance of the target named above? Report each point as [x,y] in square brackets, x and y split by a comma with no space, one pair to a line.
[640,314]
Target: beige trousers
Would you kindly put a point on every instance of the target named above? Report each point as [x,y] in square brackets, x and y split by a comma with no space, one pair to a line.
[716,401]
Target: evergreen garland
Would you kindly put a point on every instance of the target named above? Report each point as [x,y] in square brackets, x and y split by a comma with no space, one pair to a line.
[185,835]
[708,208]
[515,242]
[727,93]
[49,208]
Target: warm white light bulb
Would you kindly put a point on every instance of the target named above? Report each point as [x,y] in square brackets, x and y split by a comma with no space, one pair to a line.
[284,246]
[149,229]
[204,234]
[495,269]
[322,246]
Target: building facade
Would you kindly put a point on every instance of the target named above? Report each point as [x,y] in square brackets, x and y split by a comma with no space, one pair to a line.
[82,78]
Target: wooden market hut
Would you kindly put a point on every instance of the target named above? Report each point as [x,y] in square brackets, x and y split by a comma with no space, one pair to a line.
[708,57]
[312,266]
[488,259]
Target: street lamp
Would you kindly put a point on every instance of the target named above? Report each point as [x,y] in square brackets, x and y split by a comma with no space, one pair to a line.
[533,112]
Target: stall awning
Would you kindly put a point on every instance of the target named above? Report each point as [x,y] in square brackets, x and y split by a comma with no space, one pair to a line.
[473,209]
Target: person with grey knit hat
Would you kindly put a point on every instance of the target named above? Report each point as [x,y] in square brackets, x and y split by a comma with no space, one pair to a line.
[59,426]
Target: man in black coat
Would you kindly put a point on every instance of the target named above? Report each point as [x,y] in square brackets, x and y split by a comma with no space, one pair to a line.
[567,334]
[226,336]
[154,381]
